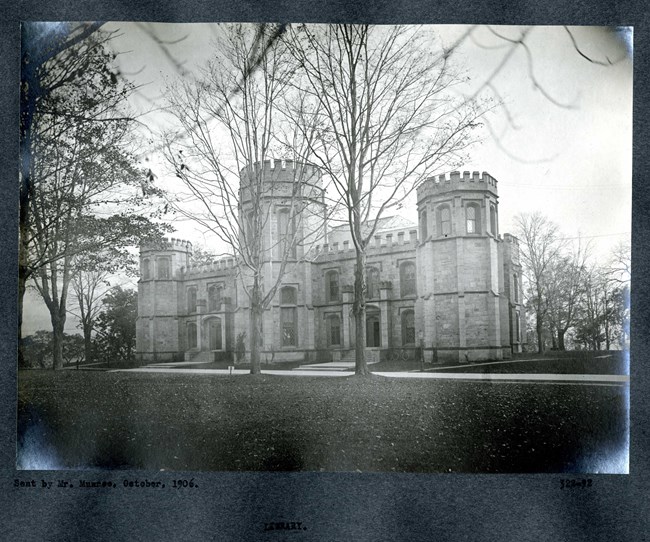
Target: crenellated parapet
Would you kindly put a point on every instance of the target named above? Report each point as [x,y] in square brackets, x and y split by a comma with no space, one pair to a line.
[511,248]
[454,181]
[385,242]
[282,179]
[223,266]
[167,244]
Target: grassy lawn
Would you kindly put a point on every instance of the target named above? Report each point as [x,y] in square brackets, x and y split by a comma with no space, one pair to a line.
[72,419]
[610,363]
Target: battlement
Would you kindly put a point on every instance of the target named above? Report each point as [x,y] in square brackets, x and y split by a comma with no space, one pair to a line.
[220,266]
[165,244]
[454,180]
[282,171]
[400,240]
[511,248]
[283,179]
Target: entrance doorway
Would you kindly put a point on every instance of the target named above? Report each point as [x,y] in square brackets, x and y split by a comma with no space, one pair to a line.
[214,331]
[373,331]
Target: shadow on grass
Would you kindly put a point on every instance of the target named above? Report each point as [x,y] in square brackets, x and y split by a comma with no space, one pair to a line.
[178,421]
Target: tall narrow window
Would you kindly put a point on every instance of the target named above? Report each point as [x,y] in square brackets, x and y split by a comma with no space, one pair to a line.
[146,269]
[286,234]
[191,299]
[472,218]
[517,327]
[288,318]
[191,335]
[332,286]
[444,221]
[214,297]
[408,327]
[493,220]
[372,282]
[515,288]
[423,226]
[249,227]
[407,279]
[163,268]
[288,326]
[334,330]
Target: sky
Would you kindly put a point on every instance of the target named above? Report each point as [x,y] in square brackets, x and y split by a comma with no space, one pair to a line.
[572,163]
[568,155]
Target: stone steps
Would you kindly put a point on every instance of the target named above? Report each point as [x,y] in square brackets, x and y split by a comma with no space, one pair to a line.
[346,363]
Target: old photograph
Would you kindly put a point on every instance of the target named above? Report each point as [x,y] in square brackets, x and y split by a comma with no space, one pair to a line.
[325,248]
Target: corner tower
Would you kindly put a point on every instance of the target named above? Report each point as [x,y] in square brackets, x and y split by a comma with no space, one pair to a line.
[460,276]
[283,200]
[161,268]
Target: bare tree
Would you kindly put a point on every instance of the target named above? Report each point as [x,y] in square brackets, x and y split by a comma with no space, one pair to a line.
[565,280]
[620,264]
[89,286]
[604,309]
[227,124]
[378,116]
[542,247]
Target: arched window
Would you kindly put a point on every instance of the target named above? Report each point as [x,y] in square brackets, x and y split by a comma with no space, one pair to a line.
[372,282]
[423,226]
[493,220]
[191,299]
[288,318]
[146,269]
[515,288]
[334,330]
[444,221]
[472,218]
[191,335]
[286,234]
[407,279]
[288,296]
[214,297]
[332,286]
[164,272]
[408,327]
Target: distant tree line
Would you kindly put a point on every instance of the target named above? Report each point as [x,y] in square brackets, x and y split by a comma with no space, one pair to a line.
[572,302]
[112,341]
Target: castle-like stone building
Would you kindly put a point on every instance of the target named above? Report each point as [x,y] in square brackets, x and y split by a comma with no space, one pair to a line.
[451,283]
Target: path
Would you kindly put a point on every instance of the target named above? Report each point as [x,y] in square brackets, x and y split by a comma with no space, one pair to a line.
[347,369]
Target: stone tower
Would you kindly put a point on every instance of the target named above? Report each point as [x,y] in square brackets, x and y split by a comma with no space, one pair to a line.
[460,309]
[161,276]
[292,213]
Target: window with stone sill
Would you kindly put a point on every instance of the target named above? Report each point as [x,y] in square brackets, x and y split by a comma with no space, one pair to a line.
[472,218]
[191,300]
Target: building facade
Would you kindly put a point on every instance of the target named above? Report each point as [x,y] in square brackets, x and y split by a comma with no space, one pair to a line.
[450,284]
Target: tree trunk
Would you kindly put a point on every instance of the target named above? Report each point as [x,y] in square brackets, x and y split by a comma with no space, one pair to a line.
[58,323]
[22,287]
[359,312]
[560,339]
[88,342]
[255,321]
[607,316]
[540,331]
